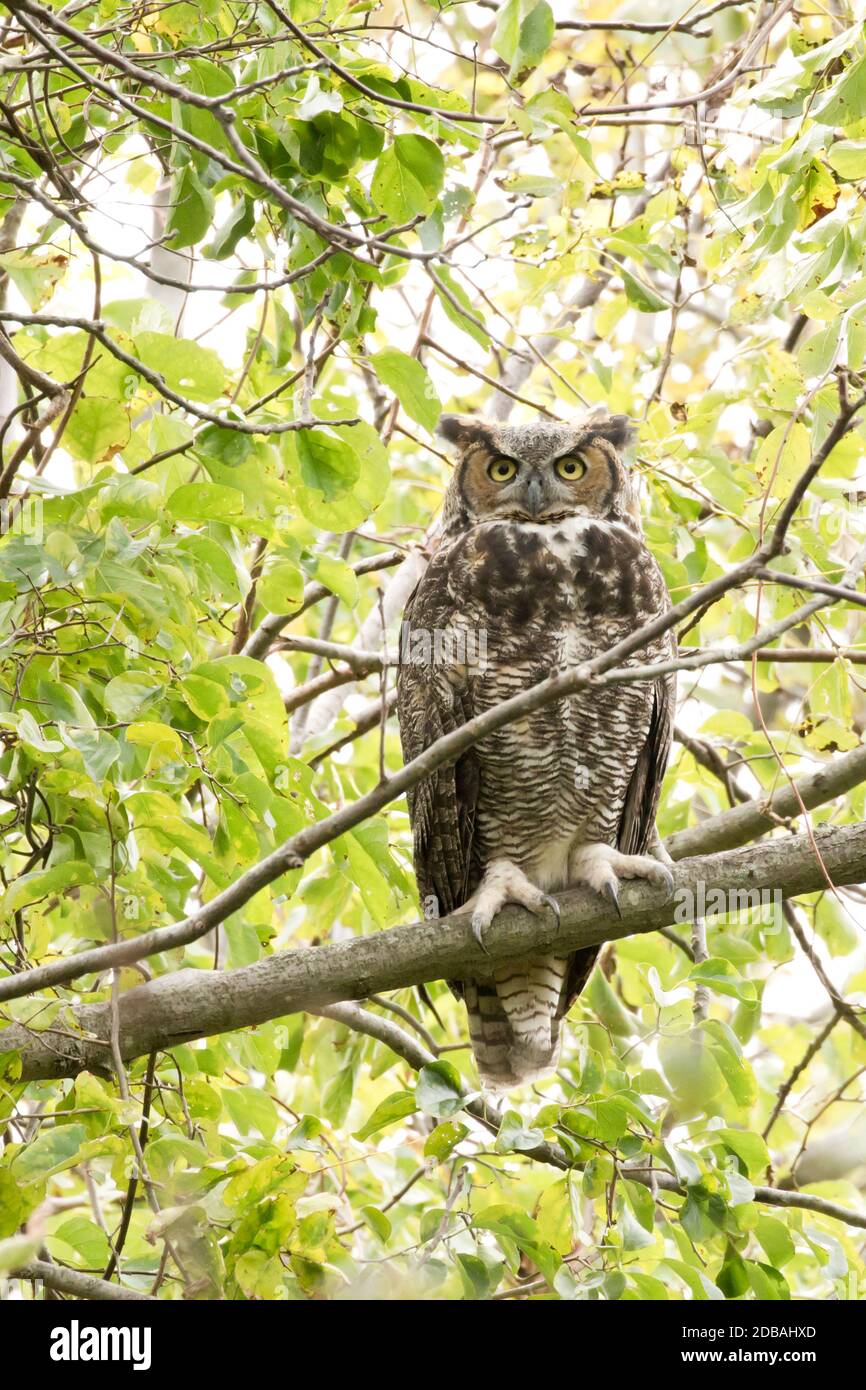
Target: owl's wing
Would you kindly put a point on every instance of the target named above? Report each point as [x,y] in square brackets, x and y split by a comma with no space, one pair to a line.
[442,806]
[640,804]
[642,794]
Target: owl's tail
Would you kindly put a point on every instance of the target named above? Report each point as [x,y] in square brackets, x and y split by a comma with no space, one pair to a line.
[514,1018]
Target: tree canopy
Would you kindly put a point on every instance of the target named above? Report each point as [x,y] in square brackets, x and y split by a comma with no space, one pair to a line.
[248,254]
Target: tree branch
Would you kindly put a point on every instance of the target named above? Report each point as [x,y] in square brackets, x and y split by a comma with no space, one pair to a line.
[78,1285]
[194,1004]
[753,818]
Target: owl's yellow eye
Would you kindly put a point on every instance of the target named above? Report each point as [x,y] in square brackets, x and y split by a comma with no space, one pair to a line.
[570,468]
[500,470]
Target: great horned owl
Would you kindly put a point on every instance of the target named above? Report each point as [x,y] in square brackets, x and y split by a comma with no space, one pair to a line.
[541,565]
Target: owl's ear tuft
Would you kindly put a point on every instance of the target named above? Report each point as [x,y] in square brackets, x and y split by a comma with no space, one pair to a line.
[461,429]
[618,430]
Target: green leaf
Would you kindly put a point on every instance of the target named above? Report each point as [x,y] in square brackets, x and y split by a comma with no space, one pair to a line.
[766,1282]
[848,158]
[554,1217]
[783,455]
[751,1148]
[439,1091]
[641,296]
[634,1236]
[205,502]
[328,463]
[506,33]
[776,1240]
[13,1209]
[99,751]
[194,372]
[40,883]
[444,1139]
[408,178]
[845,101]
[534,39]
[818,353]
[129,693]
[237,225]
[514,1136]
[251,1109]
[410,383]
[29,732]
[474,1276]
[733,1277]
[34,275]
[98,429]
[228,447]
[378,1223]
[733,1066]
[721,976]
[395,1107]
[85,1238]
[206,698]
[281,587]
[50,1152]
[339,1091]
[337,576]
[191,209]
[641,1202]
[692,1070]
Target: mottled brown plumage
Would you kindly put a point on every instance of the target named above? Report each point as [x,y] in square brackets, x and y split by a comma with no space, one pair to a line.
[541,565]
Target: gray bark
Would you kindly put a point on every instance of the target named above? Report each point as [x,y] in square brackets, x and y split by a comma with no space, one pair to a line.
[194,1004]
[69,1281]
[755,818]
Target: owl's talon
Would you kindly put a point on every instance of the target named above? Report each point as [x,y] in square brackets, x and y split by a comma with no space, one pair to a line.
[550,902]
[478,925]
[668,879]
[611,890]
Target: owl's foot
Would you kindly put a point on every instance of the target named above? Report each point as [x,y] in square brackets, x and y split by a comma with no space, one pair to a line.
[656,849]
[601,867]
[504,882]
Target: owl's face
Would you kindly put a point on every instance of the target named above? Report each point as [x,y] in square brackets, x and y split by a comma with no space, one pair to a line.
[539,473]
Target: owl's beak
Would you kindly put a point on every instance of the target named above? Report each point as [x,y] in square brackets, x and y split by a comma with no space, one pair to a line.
[535,496]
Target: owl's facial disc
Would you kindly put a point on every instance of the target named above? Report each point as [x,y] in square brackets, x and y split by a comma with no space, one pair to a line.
[541,473]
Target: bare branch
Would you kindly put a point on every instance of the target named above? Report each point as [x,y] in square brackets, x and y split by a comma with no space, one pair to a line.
[86,1286]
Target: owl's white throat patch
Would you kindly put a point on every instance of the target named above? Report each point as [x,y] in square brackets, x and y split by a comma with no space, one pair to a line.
[565,538]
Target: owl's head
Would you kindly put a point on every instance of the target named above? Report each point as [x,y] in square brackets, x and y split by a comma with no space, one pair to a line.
[542,472]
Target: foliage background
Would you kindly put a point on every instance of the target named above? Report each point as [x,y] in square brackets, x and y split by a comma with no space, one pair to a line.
[224,221]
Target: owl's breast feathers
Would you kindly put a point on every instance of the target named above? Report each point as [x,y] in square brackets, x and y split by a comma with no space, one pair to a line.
[527,580]
[500,608]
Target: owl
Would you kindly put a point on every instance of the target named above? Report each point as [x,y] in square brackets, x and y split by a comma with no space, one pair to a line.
[541,565]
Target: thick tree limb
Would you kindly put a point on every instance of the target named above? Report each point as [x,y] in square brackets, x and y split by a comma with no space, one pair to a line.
[724,831]
[194,1004]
